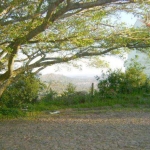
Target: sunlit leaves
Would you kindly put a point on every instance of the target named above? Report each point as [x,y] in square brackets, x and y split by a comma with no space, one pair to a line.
[40,31]
[98,62]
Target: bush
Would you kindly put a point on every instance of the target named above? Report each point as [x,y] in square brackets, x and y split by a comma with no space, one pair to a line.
[133,81]
[70,89]
[51,95]
[24,90]
[110,82]
[76,98]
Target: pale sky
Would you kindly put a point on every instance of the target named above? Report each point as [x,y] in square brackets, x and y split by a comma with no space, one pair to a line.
[114,62]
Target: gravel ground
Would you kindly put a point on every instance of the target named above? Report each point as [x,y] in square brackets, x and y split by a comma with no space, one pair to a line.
[112,130]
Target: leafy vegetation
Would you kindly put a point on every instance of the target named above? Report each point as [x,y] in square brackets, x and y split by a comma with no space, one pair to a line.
[133,81]
[41,33]
[24,90]
[70,89]
[11,113]
[117,89]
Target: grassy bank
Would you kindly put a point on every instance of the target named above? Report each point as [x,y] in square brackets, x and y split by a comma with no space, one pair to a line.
[79,102]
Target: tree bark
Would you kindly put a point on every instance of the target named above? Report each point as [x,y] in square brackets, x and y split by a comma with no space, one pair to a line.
[4,85]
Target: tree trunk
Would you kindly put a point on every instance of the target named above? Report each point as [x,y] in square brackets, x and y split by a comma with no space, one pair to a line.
[4,85]
[2,89]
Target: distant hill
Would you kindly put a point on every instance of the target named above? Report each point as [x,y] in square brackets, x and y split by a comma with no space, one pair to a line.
[58,82]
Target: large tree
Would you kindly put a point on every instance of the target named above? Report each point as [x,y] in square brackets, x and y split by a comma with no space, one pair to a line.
[35,34]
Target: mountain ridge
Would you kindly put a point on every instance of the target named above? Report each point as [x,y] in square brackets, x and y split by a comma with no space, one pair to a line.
[59,82]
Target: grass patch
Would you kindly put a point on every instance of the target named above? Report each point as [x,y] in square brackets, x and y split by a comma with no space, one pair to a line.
[117,102]
[9,113]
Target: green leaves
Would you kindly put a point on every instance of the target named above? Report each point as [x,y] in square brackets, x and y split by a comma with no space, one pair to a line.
[134,80]
[98,62]
[24,90]
[82,42]
[50,31]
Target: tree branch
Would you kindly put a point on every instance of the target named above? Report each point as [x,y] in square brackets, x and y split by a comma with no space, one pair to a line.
[87,5]
[5,11]
[48,19]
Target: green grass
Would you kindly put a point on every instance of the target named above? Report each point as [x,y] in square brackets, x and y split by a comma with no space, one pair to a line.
[118,102]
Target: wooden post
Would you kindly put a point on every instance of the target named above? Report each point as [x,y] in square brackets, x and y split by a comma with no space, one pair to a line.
[92,89]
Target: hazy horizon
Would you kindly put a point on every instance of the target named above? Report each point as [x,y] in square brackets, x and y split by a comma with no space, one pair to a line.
[84,71]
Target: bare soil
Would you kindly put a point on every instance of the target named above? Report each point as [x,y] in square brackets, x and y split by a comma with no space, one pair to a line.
[95,130]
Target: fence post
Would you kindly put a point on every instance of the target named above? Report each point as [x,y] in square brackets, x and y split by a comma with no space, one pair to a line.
[92,89]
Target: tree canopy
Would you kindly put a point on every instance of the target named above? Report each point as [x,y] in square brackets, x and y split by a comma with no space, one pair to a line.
[35,34]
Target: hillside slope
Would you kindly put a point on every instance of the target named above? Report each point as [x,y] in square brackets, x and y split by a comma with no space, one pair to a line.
[58,82]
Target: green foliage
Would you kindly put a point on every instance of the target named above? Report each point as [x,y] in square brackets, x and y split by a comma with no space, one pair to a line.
[133,81]
[70,89]
[24,90]
[76,98]
[42,33]
[135,75]
[51,95]
[11,113]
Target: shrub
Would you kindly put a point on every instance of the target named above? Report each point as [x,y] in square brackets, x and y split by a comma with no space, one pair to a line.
[110,82]
[70,89]
[133,81]
[51,95]
[24,90]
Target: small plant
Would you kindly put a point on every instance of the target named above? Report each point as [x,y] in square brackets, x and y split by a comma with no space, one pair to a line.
[51,95]
[70,89]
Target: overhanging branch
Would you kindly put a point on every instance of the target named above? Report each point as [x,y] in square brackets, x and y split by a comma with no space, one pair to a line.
[87,5]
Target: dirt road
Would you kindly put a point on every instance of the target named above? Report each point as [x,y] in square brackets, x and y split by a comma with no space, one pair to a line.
[112,130]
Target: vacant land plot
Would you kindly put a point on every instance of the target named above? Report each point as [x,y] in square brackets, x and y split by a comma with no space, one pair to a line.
[97,130]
